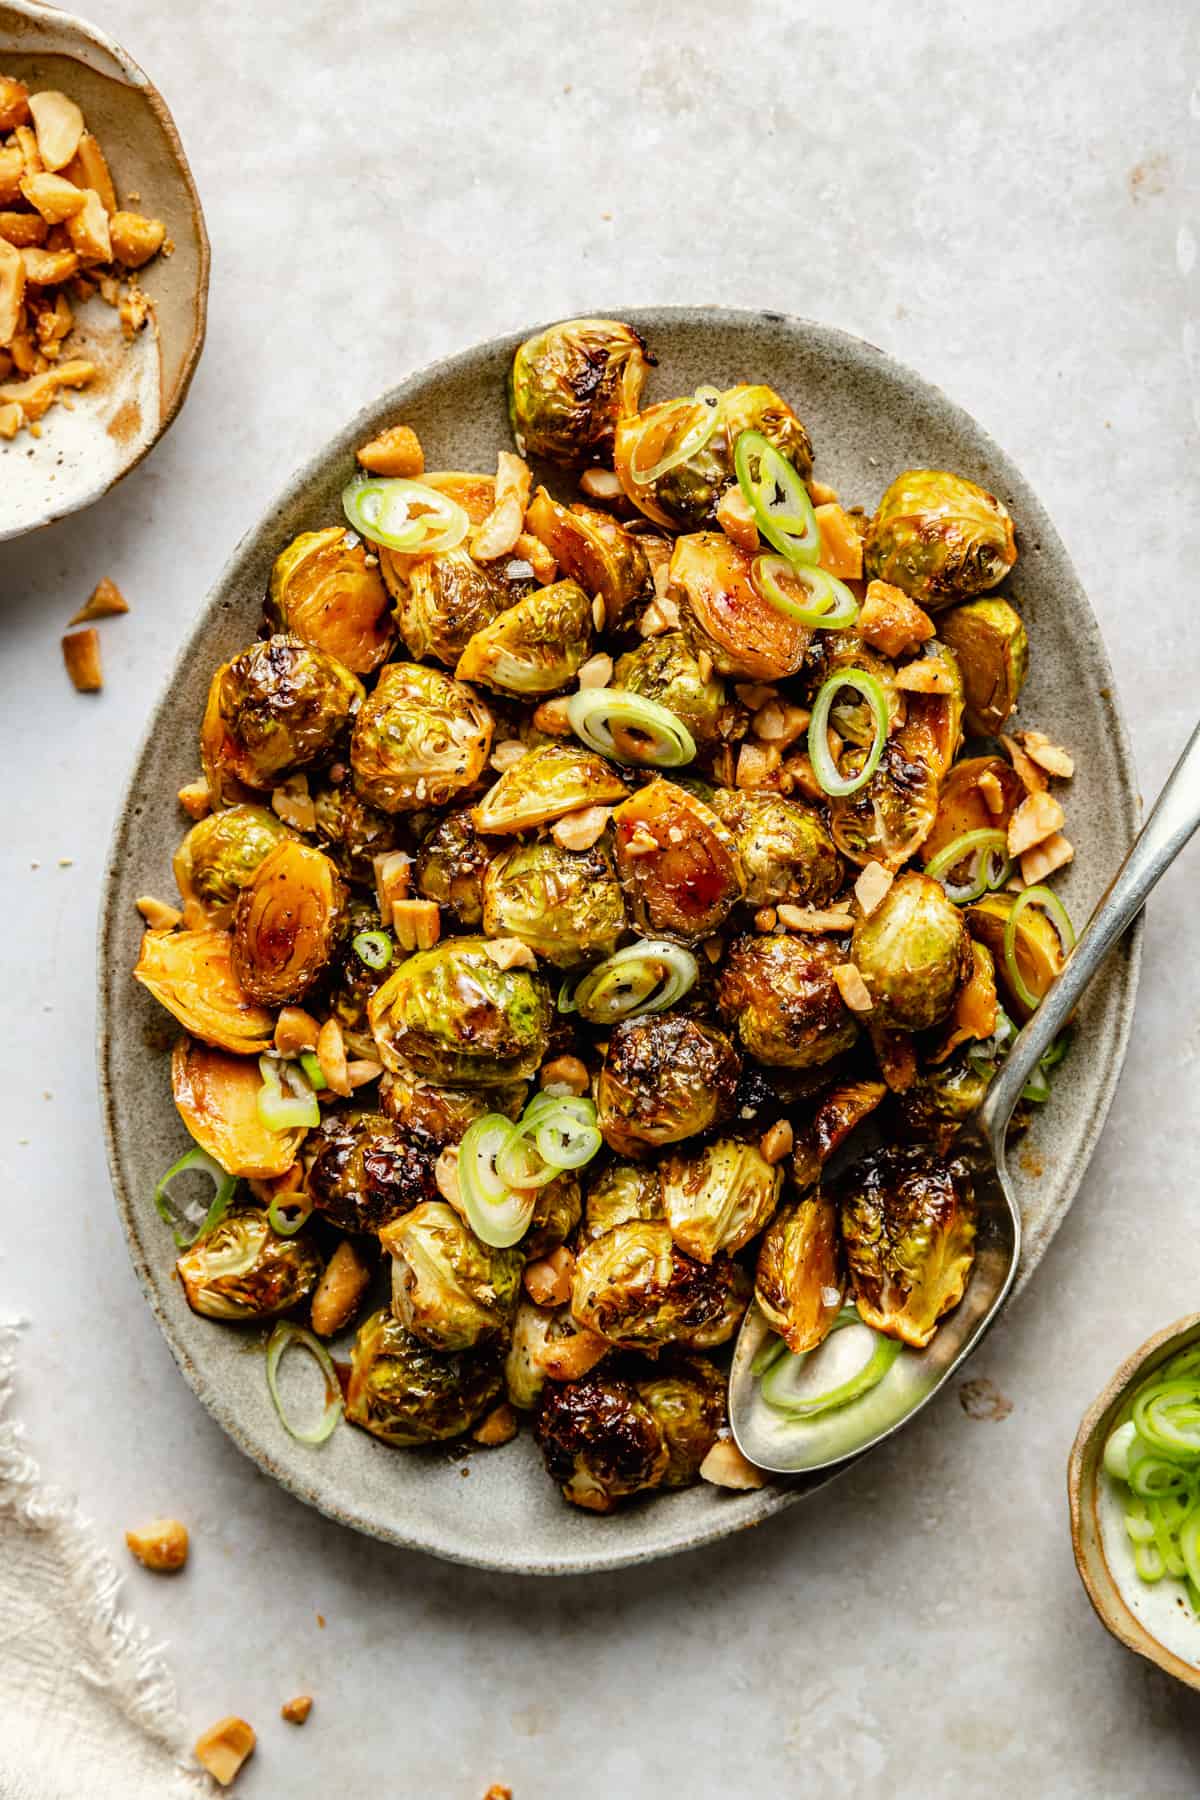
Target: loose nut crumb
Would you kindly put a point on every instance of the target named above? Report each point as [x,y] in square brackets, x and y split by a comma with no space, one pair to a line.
[551,717]
[890,621]
[1038,817]
[104,602]
[331,1054]
[296,1711]
[393,877]
[548,1278]
[498,1427]
[564,1075]
[815,919]
[993,794]
[292,802]
[725,1466]
[157,914]
[601,485]
[780,724]
[224,1747]
[363,1070]
[852,988]
[539,557]
[567,1358]
[445,1174]
[926,676]
[755,694]
[81,654]
[510,953]
[1053,853]
[580,830]
[765,919]
[596,671]
[161,1546]
[757,766]
[396,451]
[641,842]
[713,948]
[1046,755]
[777,1142]
[295,1031]
[194,799]
[1032,778]
[736,519]
[871,887]
[339,1292]
[417,923]
[508,754]
[821,494]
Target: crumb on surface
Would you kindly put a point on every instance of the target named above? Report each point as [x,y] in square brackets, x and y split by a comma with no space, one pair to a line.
[982,1399]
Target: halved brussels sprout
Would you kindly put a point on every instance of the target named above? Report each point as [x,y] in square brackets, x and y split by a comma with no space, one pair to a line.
[290,922]
[557,1210]
[353,833]
[993,651]
[665,1078]
[364,1172]
[548,782]
[908,1225]
[279,706]
[636,1289]
[191,974]
[913,952]
[783,846]
[1036,947]
[446,599]
[933,1109]
[962,805]
[889,819]
[686,496]
[450,1290]
[677,862]
[935,720]
[594,550]
[536,646]
[441,1115]
[601,1441]
[569,384]
[420,739]
[724,614]
[940,538]
[688,1402]
[718,1197]
[621,1192]
[453,1015]
[244,1270]
[665,669]
[799,1284]
[838,1111]
[352,980]
[451,865]
[780,994]
[565,904]
[220,854]
[324,591]
[405,1393]
[217,1097]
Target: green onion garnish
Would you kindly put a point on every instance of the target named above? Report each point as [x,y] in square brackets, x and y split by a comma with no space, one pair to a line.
[992,866]
[404,515]
[1154,1453]
[373,948]
[501,1166]
[831,780]
[290,1111]
[200,1162]
[777,497]
[823,602]
[645,977]
[497,1213]
[1049,903]
[282,1338]
[301,1204]
[781,1383]
[310,1062]
[702,414]
[629,728]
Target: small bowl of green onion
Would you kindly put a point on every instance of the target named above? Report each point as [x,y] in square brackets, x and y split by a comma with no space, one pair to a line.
[1133,1481]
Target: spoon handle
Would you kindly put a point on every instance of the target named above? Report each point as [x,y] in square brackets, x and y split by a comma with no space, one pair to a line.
[1175,817]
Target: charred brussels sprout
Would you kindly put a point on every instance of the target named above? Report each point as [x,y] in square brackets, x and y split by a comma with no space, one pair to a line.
[453,1015]
[913,952]
[908,1224]
[718,1198]
[666,669]
[556,1213]
[353,981]
[624,1191]
[220,854]
[665,1078]
[725,616]
[601,1441]
[244,1270]
[419,739]
[536,646]
[324,590]
[279,706]
[940,538]
[1036,947]
[685,497]
[889,819]
[839,1110]
[451,865]
[993,653]
[799,1282]
[405,1393]
[688,1404]
[635,1288]
[290,922]
[593,550]
[448,1289]
[217,1096]
[780,994]
[935,1106]
[441,1115]
[191,974]
[784,848]
[548,782]
[568,386]
[352,832]
[547,1344]
[677,862]
[364,1172]
[963,805]
[445,600]
[565,904]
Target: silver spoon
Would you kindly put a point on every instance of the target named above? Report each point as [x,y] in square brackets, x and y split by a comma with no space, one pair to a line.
[790,1447]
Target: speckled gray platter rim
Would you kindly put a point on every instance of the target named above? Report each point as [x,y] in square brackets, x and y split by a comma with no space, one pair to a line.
[695,1517]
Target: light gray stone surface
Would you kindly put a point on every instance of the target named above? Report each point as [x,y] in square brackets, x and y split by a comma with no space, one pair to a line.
[1000,197]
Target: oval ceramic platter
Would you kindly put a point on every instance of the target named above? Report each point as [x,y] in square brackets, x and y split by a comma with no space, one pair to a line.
[869,418]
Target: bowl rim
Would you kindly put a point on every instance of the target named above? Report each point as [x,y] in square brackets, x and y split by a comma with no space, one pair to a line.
[170,403]
[778,1495]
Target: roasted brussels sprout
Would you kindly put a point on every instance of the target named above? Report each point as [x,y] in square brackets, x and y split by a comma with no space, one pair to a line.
[908,1225]
[191,974]
[621,1192]
[636,1289]
[688,1402]
[441,1115]
[992,648]
[405,1393]
[290,922]
[799,1283]
[685,497]
[446,599]
[784,849]
[420,739]
[889,819]
[453,1015]
[220,854]
[601,1441]
[352,980]
[677,862]
[364,1172]
[217,1096]
[1036,947]
[667,670]
[940,538]
[935,1106]
[780,994]
[557,1210]
[244,1270]
[281,705]
[548,782]
[449,1289]
[353,833]
[568,386]
[536,646]
[594,550]
[565,904]
[665,1077]
[547,1344]
[451,864]
[324,591]
[724,615]
[963,807]
[935,719]
[719,1197]
[838,1111]
[913,952]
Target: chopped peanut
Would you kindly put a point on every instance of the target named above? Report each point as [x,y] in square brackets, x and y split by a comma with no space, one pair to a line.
[1052,853]
[81,653]
[564,1075]
[161,1546]
[540,559]
[498,1427]
[755,694]
[363,1070]
[445,1174]
[22,229]
[52,196]
[508,754]
[852,988]
[134,310]
[392,881]
[551,717]
[1047,755]
[812,918]
[88,230]
[292,802]
[331,1054]
[596,671]
[38,394]
[821,494]
[193,797]
[30,155]
[758,766]
[736,519]
[662,615]
[601,485]
[580,830]
[510,953]
[926,676]
[1038,817]
[498,534]
[1032,778]
[548,1278]
[567,1358]
[12,291]
[296,1711]
[12,173]
[799,767]
[871,887]
[295,1030]
[46,268]
[890,621]
[157,914]
[641,842]
[396,451]
[765,919]
[777,1143]
[841,545]
[780,724]
[726,1467]
[416,923]
[59,126]
[135,239]
[339,1292]
[993,793]
[88,169]
[14,103]
[104,602]
[224,1747]
[11,419]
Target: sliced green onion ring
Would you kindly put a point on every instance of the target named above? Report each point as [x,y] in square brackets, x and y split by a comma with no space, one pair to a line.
[646,977]
[777,497]
[520,1163]
[1116,1450]
[828,604]
[373,948]
[293,1110]
[200,1162]
[382,510]
[768,1352]
[991,869]
[705,405]
[566,1136]
[1058,916]
[630,728]
[1167,1416]
[498,1214]
[289,1227]
[832,782]
[779,1382]
[280,1341]
[310,1062]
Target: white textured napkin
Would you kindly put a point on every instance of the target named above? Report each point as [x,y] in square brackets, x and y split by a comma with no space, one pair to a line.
[87,1703]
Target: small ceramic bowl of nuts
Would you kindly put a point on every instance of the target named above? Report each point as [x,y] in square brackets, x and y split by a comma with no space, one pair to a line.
[103,266]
